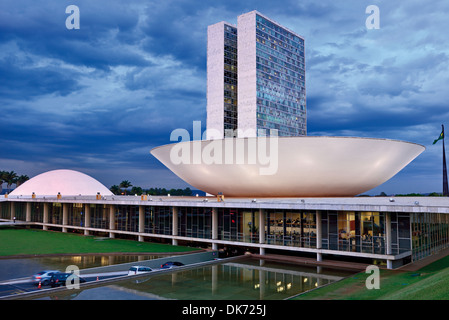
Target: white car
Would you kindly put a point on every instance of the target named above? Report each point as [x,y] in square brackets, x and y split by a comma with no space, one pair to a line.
[138,270]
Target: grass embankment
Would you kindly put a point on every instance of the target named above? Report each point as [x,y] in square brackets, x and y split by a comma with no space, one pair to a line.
[14,241]
[428,283]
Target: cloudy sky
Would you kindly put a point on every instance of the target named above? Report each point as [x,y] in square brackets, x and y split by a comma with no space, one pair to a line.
[99,98]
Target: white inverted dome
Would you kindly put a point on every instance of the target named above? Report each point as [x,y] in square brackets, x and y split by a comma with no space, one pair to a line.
[296,166]
[65,182]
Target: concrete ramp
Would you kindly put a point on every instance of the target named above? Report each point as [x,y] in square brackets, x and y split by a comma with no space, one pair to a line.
[16,223]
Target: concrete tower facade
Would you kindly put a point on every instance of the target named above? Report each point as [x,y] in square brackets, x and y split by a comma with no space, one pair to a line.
[256,83]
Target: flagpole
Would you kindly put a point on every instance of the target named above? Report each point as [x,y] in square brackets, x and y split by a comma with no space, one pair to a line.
[445,184]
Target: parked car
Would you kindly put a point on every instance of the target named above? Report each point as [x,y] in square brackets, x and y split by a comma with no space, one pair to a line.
[170,264]
[59,279]
[138,270]
[43,277]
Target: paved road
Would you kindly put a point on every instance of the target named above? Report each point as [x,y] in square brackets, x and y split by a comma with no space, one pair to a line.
[17,286]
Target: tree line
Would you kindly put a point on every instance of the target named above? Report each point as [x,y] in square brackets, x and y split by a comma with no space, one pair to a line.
[124,189]
[383,194]
[10,178]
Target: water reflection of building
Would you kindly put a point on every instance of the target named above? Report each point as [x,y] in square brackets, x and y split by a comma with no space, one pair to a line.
[236,280]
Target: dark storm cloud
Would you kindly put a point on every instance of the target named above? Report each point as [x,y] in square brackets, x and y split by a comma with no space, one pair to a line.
[99,98]
[40,29]
[19,82]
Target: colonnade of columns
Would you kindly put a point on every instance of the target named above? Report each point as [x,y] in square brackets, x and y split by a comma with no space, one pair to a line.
[175,211]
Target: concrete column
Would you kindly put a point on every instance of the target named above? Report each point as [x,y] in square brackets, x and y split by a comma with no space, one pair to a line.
[262,220]
[141,222]
[318,230]
[388,233]
[175,225]
[389,264]
[87,218]
[319,256]
[388,238]
[12,211]
[45,217]
[65,210]
[214,227]
[111,220]
[28,212]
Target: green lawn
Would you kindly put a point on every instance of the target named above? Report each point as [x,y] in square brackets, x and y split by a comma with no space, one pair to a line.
[15,241]
[428,283]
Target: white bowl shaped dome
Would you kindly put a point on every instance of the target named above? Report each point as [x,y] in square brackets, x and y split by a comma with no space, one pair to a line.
[297,166]
[66,182]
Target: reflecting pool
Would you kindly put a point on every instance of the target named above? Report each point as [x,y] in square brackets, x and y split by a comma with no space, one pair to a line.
[247,279]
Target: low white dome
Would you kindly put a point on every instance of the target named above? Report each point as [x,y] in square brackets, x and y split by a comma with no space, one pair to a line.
[66,182]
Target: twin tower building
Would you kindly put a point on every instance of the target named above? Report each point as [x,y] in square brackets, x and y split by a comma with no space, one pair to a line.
[255,79]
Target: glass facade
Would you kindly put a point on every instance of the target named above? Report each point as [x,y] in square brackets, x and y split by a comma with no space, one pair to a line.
[291,228]
[230,225]
[5,211]
[127,218]
[365,232]
[99,216]
[281,95]
[272,78]
[230,80]
[158,220]
[195,222]
[238,225]
[55,213]
[20,211]
[400,233]
[76,214]
[430,233]
[37,212]
[354,231]
[410,234]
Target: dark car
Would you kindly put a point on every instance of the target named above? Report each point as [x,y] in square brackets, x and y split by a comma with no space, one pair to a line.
[43,277]
[171,264]
[59,279]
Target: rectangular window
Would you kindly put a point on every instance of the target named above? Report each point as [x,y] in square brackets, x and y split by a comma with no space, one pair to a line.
[99,216]
[230,225]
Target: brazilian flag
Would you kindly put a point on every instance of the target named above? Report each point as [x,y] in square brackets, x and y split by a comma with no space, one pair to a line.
[440,137]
